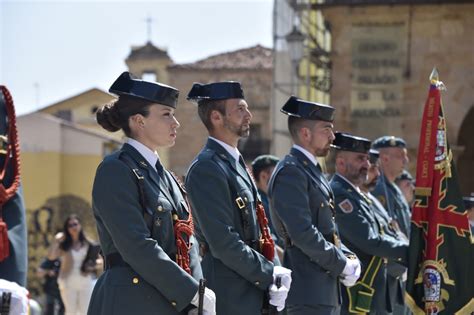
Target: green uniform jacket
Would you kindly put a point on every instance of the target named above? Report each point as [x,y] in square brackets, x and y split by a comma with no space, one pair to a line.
[363,233]
[227,231]
[302,213]
[393,201]
[153,283]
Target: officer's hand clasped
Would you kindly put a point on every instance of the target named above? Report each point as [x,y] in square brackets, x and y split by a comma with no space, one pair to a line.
[209,302]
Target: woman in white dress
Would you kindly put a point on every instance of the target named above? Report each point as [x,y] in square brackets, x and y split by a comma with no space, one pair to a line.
[79,266]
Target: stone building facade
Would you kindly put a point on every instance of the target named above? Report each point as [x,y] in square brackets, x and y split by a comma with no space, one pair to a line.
[382,56]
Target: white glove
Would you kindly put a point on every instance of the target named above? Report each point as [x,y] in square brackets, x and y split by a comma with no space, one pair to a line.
[284,274]
[208,303]
[278,296]
[349,281]
[350,267]
[351,272]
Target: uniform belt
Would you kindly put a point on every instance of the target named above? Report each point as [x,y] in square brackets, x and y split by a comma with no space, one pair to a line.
[114,260]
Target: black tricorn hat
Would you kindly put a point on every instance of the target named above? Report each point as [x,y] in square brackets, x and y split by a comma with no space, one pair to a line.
[308,110]
[373,156]
[405,175]
[348,142]
[468,202]
[388,142]
[127,84]
[215,91]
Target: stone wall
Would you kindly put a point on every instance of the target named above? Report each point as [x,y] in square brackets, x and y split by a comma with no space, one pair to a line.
[421,37]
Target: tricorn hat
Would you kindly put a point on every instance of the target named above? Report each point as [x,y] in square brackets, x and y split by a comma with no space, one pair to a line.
[127,84]
[215,91]
[348,142]
[308,110]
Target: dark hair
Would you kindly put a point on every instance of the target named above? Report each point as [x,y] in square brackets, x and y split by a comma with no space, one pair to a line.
[114,116]
[67,243]
[263,163]
[296,123]
[205,109]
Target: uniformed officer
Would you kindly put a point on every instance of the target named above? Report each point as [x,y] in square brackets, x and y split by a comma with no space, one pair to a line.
[14,254]
[302,206]
[143,221]
[262,169]
[230,222]
[392,161]
[361,230]
[406,183]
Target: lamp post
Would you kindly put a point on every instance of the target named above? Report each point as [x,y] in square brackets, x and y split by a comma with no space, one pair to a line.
[295,40]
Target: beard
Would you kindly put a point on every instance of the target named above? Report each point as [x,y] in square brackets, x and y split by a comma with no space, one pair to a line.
[242,130]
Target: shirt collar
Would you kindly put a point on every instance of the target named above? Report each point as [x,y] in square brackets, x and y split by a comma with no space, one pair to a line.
[150,156]
[234,152]
[305,152]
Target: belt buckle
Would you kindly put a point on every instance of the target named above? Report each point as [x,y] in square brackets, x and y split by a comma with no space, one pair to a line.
[240,203]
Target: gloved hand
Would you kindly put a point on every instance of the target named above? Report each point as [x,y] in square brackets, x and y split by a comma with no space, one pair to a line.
[351,272]
[208,303]
[349,281]
[278,296]
[352,263]
[284,274]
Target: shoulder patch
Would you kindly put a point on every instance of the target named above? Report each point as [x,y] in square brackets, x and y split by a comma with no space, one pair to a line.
[346,206]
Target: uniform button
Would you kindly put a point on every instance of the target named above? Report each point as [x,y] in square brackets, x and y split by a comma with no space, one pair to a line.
[135,280]
[257,282]
[160,208]
[173,303]
[245,198]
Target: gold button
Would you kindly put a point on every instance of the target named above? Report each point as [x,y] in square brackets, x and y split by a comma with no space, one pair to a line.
[257,282]
[173,303]
[160,208]
[135,280]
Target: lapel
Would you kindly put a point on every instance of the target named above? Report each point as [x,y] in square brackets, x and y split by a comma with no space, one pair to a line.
[229,160]
[150,171]
[314,172]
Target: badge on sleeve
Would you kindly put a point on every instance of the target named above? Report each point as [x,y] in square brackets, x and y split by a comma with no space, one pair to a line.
[346,206]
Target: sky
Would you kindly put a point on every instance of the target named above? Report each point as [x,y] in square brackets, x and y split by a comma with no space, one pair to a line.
[53,50]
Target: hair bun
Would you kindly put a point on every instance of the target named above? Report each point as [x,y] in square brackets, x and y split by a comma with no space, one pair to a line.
[109,117]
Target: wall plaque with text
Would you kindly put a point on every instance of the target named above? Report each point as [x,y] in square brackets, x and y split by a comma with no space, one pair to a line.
[378,66]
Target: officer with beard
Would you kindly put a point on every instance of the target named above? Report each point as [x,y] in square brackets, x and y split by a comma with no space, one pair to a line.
[361,230]
[302,208]
[225,204]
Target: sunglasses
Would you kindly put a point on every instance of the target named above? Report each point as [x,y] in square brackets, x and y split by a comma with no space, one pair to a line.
[71,225]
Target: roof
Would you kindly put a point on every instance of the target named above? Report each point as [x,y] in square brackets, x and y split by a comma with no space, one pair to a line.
[256,57]
[69,125]
[147,51]
[77,97]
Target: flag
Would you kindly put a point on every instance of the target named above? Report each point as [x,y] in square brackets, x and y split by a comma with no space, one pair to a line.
[440,271]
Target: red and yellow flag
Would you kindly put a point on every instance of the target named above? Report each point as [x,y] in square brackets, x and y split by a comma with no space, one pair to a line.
[441,270]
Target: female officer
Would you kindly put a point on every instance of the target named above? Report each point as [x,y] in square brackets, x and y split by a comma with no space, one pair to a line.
[144,223]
